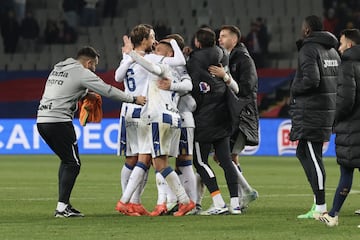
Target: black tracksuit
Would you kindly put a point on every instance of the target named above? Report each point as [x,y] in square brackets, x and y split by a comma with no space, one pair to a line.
[212,118]
[313,103]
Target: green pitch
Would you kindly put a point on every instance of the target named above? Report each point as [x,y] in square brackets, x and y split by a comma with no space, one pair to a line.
[28,196]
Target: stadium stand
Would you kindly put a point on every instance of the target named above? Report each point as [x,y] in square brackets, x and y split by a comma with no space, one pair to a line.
[282,18]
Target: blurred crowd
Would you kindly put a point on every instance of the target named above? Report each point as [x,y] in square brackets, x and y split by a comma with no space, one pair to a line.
[341,14]
[21,31]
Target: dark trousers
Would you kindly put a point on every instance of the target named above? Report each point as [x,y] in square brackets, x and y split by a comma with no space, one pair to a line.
[342,190]
[222,151]
[310,156]
[61,139]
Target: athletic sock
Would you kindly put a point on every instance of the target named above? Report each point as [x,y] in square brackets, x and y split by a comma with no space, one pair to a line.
[61,206]
[125,175]
[134,181]
[187,179]
[217,199]
[136,197]
[234,202]
[161,188]
[174,183]
[321,208]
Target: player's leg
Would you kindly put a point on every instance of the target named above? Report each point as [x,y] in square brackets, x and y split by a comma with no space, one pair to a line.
[135,180]
[184,162]
[185,204]
[222,151]
[164,137]
[163,191]
[342,191]
[126,170]
[201,154]
[310,156]
[246,193]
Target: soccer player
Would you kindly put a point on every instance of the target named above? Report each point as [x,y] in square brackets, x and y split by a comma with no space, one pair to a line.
[212,120]
[159,127]
[166,200]
[135,76]
[312,104]
[135,82]
[67,83]
[243,71]
[346,121]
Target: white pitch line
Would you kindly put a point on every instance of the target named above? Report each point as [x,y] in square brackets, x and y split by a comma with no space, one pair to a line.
[261,196]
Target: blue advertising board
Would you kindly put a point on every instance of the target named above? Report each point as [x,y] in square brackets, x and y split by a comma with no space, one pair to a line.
[20,136]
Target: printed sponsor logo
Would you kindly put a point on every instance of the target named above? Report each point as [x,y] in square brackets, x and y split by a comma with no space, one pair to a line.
[330,63]
[285,146]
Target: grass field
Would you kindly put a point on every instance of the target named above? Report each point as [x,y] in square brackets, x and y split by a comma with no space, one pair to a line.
[28,196]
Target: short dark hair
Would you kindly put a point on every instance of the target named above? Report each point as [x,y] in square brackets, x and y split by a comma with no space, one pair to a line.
[140,32]
[178,38]
[352,34]
[206,37]
[233,29]
[314,23]
[87,51]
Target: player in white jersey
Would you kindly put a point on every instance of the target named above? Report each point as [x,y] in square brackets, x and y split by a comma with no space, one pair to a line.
[166,198]
[161,122]
[135,80]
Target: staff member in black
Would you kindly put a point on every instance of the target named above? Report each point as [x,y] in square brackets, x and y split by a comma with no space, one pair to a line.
[212,120]
[347,117]
[313,103]
[246,127]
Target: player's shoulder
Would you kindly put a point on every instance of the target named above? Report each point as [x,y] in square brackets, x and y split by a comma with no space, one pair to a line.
[153,57]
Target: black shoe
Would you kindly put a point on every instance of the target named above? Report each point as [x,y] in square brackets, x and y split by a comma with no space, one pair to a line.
[74,210]
[68,212]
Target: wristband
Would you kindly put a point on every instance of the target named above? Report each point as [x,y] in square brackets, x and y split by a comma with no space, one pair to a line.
[134,99]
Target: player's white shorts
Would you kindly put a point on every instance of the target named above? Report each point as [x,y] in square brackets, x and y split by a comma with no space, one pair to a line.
[160,138]
[239,144]
[122,137]
[186,144]
[132,122]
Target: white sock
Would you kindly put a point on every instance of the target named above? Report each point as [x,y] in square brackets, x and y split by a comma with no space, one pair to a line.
[165,194]
[134,182]
[242,181]
[171,198]
[200,189]
[125,175]
[218,200]
[174,183]
[234,202]
[161,185]
[187,179]
[321,208]
[136,197]
[61,206]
